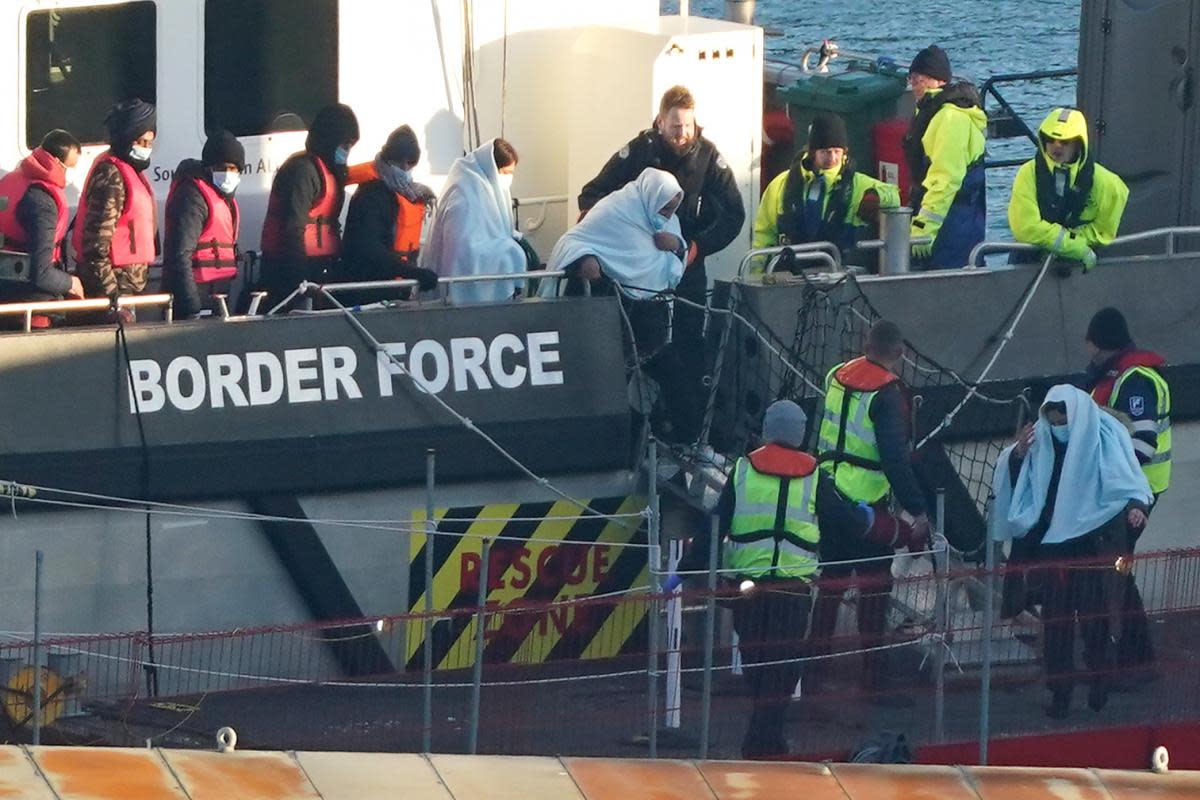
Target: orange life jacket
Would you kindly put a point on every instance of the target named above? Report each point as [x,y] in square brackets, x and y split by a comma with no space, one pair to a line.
[410,215]
[863,375]
[215,258]
[39,168]
[784,462]
[320,232]
[133,238]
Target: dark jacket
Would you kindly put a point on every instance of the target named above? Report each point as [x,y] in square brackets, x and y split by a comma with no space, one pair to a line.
[837,518]
[186,216]
[38,214]
[298,186]
[370,233]
[889,413]
[712,212]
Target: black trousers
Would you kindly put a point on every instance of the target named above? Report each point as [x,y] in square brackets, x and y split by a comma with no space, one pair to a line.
[1073,600]
[771,624]
[874,579]
[1135,647]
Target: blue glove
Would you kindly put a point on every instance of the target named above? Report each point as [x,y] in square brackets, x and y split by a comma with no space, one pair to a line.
[673,583]
[870,512]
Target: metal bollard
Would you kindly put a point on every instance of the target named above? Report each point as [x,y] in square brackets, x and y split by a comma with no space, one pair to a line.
[894,229]
[740,11]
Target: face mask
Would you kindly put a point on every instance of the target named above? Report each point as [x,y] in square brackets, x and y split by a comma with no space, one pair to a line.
[227,182]
[139,153]
[505,180]
[659,222]
[341,155]
[401,174]
[1060,432]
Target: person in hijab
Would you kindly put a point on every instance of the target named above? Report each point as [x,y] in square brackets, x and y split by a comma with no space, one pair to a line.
[302,232]
[1071,485]
[472,231]
[386,217]
[200,253]
[116,236]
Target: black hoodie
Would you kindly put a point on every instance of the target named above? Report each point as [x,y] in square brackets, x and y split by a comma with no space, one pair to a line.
[186,216]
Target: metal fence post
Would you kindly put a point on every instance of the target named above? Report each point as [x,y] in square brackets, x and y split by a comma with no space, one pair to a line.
[941,621]
[480,626]
[427,623]
[652,605]
[37,649]
[894,229]
[985,685]
[710,628]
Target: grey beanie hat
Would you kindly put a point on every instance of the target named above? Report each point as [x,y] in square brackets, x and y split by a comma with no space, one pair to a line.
[785,424]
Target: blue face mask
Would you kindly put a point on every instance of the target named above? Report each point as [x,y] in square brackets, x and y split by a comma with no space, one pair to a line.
[1060,432]
[659,222]
[400,173]
[341,155]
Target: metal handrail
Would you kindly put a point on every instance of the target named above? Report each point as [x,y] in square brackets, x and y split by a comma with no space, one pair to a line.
[984,248]
[87,304]
[833,255]
[1169,233]
[811,255]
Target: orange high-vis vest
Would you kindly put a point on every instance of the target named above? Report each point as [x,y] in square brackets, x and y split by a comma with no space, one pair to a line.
[215,258]
[320,232]
[133,238]
[39,168]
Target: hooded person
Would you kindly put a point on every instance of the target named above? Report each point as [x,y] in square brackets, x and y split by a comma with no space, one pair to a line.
[621,237]
[1071,486]
[302,232]
[202,222]
[821,197]
[386,219]
[116,227]
[473,231]
[944,149]
[33,220]
[1062,200]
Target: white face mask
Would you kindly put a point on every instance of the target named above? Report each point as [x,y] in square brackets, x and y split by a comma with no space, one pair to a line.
[227,182]
[505,179]
[139,153]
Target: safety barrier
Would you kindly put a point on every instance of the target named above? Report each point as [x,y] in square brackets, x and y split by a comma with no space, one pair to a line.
[284,688]
[1170,237]
[67,307]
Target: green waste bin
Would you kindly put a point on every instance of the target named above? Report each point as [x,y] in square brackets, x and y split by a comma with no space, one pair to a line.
[860,97]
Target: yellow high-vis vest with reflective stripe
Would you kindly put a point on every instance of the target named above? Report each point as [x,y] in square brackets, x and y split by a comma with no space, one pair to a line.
[855,466]
[1158,470]
[773,535]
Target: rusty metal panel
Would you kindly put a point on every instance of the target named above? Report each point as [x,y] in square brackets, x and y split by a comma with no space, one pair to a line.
[755,780]
[18,778]
[100,773]
[244,775]
[626,779]
[1028,783]
[505,777]
[356,776]
[909,782]
[1148,786]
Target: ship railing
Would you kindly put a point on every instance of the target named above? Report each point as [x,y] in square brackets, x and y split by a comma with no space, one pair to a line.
[826,253]
[1169,235]
[67,307]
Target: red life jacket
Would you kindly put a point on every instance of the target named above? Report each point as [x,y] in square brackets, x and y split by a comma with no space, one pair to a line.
[784,462]
[320,232]
[863,375]
[1102,391]
[39,168]
[215,258]
[133,237]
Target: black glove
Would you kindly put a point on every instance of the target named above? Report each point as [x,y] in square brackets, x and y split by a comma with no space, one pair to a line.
[427,279]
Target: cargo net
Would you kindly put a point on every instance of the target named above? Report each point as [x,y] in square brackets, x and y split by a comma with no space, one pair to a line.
[959,429]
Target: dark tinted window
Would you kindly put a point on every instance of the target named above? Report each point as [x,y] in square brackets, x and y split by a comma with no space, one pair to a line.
[79,61]
[269,65]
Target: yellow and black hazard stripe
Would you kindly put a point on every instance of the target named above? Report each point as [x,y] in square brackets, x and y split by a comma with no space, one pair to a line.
[542,555]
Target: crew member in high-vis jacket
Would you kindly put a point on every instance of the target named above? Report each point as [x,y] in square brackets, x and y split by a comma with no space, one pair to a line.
[864,444]
[1062,200]
[944,148]
[776,508]
[822,197]
[1129,382]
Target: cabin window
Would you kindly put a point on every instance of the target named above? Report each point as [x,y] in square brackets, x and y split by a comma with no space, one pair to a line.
[80,61]
[269,65]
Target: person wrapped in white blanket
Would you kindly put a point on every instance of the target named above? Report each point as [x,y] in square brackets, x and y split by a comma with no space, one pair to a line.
[1072,487]
[473,230]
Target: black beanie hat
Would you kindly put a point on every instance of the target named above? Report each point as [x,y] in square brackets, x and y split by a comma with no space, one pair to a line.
[128,121]
[223,148]
[1108,330]
[401,147]
[827,130]
[932,61]
[333,126]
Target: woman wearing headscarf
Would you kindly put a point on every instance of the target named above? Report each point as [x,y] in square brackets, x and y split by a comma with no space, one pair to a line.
[1072,486]
[116,236]
[302,232]
[472,231]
